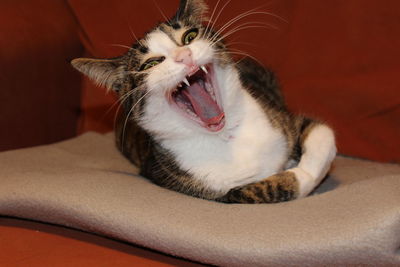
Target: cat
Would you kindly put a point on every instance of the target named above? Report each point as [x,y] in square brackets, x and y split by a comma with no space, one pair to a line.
[196,121]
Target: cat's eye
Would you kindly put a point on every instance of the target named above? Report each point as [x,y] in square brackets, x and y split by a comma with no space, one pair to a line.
[189,36]
[151,63]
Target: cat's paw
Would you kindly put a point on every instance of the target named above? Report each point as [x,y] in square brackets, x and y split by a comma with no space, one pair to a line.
[276,188]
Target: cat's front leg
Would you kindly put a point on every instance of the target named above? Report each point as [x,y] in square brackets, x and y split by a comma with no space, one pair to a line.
[318,148]
[280,187]
[318,151]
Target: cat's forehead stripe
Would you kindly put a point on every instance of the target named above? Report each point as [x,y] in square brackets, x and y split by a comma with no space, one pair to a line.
[174,24]
[141,47]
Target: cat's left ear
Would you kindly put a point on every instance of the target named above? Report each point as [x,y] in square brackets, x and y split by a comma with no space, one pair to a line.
[109,73]
[192,11]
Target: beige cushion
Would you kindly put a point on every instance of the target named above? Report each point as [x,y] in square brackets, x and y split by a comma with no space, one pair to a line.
[354,217]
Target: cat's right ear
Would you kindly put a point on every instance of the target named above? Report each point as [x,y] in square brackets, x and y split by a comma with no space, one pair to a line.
[109,73]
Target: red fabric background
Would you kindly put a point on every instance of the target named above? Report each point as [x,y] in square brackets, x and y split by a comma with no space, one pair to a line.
[337,60]
[39,91]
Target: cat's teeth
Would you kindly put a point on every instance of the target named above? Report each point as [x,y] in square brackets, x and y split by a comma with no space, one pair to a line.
[189,111]
[186,82]
[208,87]
[180,85]
[210,90]
[204,69]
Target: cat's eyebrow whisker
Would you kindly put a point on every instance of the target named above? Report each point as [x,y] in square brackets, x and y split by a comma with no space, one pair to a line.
[213,23]
[246,14]
[222,37]
[134,35]
[210,20]
[251,23]
[160,10]
[240,28]
[233,20]
[219,14]
[124,46]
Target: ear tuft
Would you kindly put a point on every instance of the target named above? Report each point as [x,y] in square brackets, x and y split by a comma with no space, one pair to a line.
[109,73]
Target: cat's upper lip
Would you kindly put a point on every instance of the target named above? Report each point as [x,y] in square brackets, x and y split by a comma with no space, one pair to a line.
[192,70]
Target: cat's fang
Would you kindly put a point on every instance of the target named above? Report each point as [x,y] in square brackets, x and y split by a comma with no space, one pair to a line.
[204,69]
[186,82]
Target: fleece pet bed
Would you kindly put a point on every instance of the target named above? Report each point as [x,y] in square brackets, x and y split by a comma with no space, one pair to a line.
[353,218]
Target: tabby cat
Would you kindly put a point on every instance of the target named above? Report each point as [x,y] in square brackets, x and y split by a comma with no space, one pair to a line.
[197,122]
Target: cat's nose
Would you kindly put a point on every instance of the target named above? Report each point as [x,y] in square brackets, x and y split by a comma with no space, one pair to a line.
[184,55]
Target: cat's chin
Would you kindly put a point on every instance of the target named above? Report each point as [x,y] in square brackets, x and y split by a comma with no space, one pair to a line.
[198,99]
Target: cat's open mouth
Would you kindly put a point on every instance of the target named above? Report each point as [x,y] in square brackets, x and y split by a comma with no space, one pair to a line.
[197,98]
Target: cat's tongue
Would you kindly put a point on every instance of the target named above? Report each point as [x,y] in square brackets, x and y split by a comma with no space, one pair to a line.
[203,104]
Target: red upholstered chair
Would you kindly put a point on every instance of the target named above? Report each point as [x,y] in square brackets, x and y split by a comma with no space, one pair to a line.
[336,60]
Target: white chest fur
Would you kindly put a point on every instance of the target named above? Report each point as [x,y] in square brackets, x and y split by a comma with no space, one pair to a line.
[251,151]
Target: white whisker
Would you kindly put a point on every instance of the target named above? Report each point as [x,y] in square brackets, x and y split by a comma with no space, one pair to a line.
[234,20]
[123,46]
[219,14]
[159,9]
[134,35]
[129,114]
[240,28]
[211,18]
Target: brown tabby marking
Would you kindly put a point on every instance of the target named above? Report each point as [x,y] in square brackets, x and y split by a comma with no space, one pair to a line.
[277,188]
